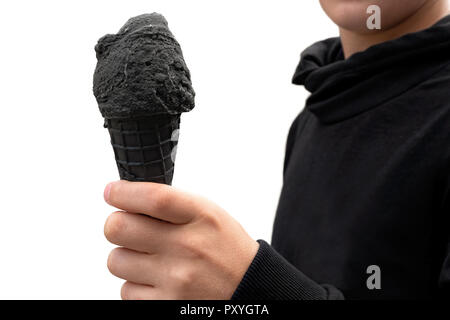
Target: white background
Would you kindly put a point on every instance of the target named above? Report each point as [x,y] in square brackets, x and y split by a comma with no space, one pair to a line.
[55,154]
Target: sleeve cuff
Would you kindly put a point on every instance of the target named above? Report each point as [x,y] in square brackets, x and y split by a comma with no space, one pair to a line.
[272,277]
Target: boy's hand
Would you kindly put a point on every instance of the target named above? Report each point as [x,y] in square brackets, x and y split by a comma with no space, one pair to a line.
[174,245]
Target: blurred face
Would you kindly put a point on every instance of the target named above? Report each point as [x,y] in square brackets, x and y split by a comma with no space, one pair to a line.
[352,14]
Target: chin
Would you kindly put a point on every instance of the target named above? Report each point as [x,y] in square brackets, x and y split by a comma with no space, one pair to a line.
[352,14]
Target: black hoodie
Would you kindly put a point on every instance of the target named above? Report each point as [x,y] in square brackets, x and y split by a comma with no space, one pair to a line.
[366,177]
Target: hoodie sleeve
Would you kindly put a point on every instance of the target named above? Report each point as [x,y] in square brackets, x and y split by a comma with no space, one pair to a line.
[272,277]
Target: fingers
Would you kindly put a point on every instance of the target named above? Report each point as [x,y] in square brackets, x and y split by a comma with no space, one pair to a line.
[134,266]
[137,232]
[152,199]
[134,291]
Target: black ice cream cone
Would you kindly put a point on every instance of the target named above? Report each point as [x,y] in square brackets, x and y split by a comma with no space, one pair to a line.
[142,85]
[145,147]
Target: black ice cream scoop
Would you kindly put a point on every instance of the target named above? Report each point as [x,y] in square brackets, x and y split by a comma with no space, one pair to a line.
[142,85]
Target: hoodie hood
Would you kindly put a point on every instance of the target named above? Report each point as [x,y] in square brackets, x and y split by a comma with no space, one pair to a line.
[343,88]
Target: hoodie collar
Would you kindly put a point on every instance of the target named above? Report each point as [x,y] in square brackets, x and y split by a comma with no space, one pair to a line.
[343,88]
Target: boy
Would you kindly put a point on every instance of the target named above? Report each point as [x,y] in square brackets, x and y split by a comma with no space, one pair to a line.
[365,208]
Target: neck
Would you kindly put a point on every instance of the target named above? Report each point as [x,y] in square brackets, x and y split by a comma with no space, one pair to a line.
[425,17]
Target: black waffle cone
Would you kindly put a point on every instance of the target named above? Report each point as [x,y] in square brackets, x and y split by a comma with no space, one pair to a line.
[143,147]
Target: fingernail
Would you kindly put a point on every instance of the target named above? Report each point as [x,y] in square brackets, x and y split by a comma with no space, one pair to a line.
[107,192]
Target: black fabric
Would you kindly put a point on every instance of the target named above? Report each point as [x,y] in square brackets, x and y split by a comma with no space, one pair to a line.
[366,176]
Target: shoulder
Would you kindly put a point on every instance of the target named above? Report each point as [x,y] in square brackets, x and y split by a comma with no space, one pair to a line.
[295,130]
